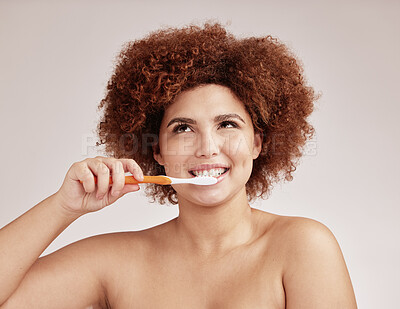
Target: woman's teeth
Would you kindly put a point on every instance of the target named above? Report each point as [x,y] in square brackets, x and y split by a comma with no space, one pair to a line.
[213,172]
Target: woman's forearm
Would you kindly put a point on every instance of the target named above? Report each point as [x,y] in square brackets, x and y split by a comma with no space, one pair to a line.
[23,240]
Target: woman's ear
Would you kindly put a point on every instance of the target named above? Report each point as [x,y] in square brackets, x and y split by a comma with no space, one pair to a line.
[157,154]
[257,145]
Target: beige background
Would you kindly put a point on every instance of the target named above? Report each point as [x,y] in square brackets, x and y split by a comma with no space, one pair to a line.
[56,60]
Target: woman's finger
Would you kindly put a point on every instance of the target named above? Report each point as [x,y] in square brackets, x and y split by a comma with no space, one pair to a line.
[102,172]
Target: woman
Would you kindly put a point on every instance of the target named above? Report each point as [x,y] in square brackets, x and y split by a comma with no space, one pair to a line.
[186,102]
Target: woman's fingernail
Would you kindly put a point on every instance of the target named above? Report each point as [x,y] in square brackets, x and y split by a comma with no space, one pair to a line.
[116,193]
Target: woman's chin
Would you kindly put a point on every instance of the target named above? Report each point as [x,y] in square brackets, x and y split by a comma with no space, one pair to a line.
[203,197]
[207,201]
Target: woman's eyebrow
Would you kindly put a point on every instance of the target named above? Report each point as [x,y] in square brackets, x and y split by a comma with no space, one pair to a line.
[218,118]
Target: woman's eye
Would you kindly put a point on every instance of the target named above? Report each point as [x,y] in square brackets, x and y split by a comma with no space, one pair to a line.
[228,123]
[181,128]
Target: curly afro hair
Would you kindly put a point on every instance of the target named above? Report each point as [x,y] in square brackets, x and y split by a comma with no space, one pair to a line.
[260,71]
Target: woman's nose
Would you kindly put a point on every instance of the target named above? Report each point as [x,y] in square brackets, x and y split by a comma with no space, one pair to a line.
[207,146]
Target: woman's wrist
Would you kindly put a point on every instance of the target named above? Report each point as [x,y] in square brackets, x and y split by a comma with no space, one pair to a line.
[55,201]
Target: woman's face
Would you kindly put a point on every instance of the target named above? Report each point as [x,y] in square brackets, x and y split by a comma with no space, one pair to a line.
[208,130]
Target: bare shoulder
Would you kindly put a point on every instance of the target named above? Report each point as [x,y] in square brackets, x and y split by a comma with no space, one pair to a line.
[303,238]
[289,231]
[314,270]
[108,252]
[297,231]
[108,243]
[115,241]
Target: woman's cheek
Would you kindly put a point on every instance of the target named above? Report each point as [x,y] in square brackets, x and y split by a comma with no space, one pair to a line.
[183,144]
[177,145]
[174,166]
[236,145]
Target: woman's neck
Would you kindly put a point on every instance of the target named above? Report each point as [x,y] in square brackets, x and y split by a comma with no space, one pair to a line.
[214,230]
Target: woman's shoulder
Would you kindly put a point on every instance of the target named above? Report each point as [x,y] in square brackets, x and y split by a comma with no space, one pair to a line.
[292,226]
[293,234]
[109,243]
[133,246]
[109,248]
[304,241]
[300,227]
[313,266]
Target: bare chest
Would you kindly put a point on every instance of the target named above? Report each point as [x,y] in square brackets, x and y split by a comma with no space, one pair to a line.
[245,279]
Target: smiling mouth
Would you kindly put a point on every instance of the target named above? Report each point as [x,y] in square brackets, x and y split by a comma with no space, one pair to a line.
[215,172]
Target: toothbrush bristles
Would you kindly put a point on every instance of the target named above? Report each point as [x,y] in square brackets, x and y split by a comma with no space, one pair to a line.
[205,180]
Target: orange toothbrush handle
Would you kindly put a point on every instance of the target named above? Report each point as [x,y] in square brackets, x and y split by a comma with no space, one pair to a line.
[161,180]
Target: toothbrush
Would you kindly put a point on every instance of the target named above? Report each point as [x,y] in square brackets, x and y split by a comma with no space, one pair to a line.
[167,180]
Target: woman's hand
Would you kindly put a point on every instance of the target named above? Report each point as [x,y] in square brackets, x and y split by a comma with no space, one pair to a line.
[79,198]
